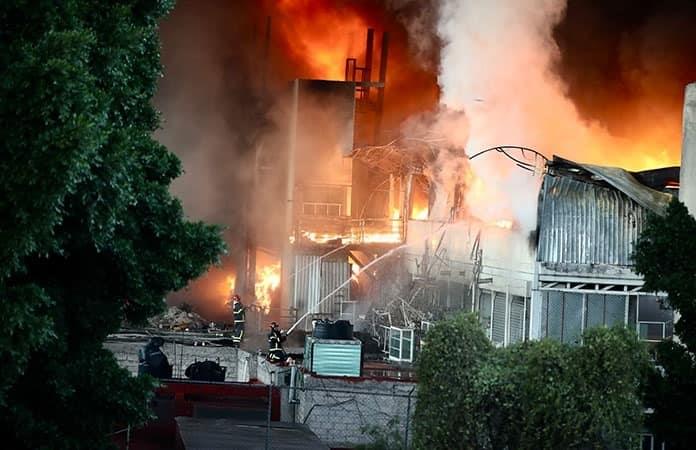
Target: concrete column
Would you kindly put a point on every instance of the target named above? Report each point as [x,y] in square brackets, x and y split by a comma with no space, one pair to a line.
[287,262]
[687,174]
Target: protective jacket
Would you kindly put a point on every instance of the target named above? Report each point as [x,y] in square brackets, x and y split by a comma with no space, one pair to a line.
[275,345]
[239,313]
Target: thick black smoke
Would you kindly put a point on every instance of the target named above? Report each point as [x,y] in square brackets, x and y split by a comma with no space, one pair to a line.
[626,62]
[215,99]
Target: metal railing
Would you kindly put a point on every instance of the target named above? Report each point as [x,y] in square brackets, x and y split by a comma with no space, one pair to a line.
[319,229]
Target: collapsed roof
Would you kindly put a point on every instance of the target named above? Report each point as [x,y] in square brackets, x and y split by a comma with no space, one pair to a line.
[638,186]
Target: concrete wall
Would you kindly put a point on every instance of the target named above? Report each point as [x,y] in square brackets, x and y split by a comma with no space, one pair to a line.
[180,356]
[687,175]
[339,410]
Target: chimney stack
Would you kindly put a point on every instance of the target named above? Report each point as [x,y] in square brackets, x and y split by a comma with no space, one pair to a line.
[687,173]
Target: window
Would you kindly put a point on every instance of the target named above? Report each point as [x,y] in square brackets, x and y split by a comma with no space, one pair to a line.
[565,315]
[321,209]
[651,331]
[648,442]
[401,344]
[604,309]
[655,318]
[504,317]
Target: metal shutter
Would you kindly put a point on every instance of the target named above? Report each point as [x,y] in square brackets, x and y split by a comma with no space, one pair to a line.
[498,328]
[516,332]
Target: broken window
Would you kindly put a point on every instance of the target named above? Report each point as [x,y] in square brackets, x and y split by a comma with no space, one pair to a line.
[401,344]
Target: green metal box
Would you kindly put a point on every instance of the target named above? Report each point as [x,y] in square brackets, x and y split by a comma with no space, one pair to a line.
[333,357]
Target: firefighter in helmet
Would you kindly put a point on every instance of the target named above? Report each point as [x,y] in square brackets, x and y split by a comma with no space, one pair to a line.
[276,337]
[239,313]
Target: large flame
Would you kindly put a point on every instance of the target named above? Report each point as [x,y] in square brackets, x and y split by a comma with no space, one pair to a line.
[230,286]
[267,283]
[375,237]
[419,212]
[322,35]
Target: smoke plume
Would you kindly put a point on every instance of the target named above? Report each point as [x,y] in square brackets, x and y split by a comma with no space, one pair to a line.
[502,65]
[221,79]
[625,65]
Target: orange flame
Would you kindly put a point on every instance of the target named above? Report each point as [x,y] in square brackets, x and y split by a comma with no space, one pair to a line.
[267,282]
[322,36]
[230,284]
[419,212]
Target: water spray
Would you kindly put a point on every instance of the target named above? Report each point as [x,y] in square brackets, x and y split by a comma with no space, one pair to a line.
[442,228]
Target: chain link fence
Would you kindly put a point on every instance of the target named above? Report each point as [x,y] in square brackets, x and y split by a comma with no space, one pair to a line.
[347,418]
[378,415]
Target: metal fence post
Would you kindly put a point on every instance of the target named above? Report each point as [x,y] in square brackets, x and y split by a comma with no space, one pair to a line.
[408,418]
[268,417]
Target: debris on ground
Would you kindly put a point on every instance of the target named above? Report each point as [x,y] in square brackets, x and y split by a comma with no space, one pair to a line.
[175,318]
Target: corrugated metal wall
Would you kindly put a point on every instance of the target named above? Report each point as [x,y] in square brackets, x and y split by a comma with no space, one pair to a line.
[315,279]
[585,223]
[334,358]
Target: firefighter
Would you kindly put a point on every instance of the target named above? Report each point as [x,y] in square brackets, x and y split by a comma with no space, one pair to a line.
[239,313]
[151,359]
[276,337]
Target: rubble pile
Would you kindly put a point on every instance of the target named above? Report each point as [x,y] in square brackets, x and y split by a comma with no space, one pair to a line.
[177,319]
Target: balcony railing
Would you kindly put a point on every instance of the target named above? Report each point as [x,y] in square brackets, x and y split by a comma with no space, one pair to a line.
[346,230]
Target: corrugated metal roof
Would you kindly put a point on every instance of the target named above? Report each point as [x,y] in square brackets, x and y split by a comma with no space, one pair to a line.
[620,179]
[651,199]
[586,223]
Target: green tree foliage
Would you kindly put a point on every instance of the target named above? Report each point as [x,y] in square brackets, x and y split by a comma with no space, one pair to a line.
[535,395]
[89,234]
[666,257]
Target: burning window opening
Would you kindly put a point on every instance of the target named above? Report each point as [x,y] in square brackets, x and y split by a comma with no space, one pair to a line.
[266,286]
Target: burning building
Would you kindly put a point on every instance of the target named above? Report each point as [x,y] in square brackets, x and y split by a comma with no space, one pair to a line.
[589,220]
[328,211]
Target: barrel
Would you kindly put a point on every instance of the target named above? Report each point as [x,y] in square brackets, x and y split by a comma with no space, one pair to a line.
[343,329]
[323,329]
